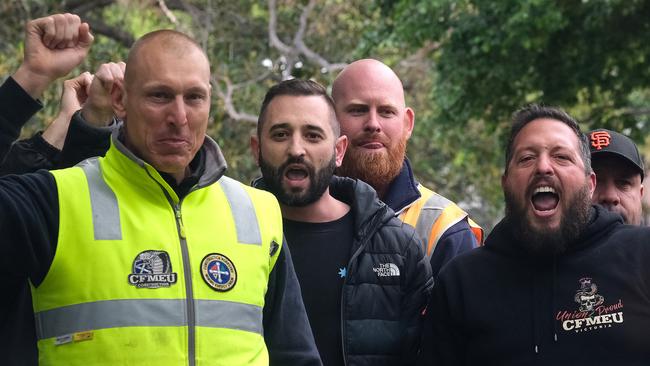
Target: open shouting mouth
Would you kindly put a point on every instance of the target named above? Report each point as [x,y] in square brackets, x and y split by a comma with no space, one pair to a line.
[545,200]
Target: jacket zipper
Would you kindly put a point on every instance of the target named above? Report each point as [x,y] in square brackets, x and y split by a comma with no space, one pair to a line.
[189,291]
[379,214]
[187,273]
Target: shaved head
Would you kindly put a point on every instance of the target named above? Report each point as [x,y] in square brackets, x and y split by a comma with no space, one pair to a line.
[369,72]
[171,41]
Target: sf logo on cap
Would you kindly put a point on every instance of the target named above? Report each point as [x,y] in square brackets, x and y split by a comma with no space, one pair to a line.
[600,139]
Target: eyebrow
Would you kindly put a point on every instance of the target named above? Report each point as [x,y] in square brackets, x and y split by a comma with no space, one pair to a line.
[309,127]
[279,126]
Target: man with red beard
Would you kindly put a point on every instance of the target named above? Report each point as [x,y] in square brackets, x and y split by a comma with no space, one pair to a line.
[558,281]
[363,275]
[370,106]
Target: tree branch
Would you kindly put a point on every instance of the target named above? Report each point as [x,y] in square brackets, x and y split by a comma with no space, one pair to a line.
[118,35]
[637,111]
[82,7]
[298,47]
[274,41]
[172,18]
[226,97]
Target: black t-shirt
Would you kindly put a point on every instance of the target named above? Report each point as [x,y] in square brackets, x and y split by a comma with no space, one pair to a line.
[320,253]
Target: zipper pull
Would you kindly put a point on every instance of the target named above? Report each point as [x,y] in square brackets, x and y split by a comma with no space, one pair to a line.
[179,219]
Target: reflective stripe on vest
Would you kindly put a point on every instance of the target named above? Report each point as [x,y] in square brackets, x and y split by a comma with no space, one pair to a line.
[243,212]
[477,230]
[106,213]
[432,215]
[432,212]
[146,313]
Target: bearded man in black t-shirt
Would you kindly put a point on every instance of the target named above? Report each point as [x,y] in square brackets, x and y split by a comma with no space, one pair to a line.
[364,278]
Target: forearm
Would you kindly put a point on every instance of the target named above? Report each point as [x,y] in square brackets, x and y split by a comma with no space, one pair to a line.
[16,108]
[84,141]
[29,155]
[29,224]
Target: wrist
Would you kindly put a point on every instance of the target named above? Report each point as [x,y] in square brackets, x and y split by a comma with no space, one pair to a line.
[97,118]
[32,82]
[55,133]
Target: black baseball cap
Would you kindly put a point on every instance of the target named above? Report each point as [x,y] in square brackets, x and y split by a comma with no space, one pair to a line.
[603,141]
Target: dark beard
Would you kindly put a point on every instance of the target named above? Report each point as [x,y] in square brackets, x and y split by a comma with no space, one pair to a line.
[546,243]
[318,182]
[375,169]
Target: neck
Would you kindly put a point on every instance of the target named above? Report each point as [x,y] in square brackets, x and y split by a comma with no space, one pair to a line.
[180,176]
[326,209]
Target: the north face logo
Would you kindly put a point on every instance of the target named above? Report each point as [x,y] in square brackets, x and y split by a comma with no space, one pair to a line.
[386,270]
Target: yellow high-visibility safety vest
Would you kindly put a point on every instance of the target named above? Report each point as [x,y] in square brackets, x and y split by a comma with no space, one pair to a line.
[141,278]
[432,214]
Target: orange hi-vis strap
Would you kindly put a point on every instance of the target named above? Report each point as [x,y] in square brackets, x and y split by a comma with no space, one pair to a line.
[477,230]
[432,215]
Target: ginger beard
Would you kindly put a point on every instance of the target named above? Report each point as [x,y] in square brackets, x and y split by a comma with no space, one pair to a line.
[547,241]
[375,168]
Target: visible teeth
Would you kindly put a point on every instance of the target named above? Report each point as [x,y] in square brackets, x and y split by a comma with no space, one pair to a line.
[544,189]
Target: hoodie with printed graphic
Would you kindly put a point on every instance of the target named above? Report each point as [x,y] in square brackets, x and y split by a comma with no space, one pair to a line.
[500,305]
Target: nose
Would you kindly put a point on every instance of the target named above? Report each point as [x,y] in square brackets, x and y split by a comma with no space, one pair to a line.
[177,113]
[606,194]
[544,166]
[371,124]
[296,147]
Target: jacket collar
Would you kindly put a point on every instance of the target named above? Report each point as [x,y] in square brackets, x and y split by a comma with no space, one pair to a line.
[363,200]
[403,190]
[209,162]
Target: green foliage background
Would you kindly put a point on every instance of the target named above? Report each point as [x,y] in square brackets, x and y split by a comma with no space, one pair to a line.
[466,66]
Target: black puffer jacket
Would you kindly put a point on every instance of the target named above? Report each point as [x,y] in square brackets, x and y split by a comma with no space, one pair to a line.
[387,285]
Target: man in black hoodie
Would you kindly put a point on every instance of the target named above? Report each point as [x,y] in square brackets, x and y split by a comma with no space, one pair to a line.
[559,281]
[363,274]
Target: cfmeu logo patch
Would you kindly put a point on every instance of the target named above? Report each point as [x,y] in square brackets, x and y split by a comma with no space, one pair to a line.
[386,270]
[218,272]
[593,313]
[152,269]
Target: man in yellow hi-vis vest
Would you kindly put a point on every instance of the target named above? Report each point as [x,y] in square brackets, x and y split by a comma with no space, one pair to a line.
[151,255]
[370,107]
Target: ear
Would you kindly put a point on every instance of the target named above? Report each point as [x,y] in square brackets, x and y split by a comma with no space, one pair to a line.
[341,146]
[409,122]
[592,183]
[255,149]
[641,190]
[118,100]
[503,181]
